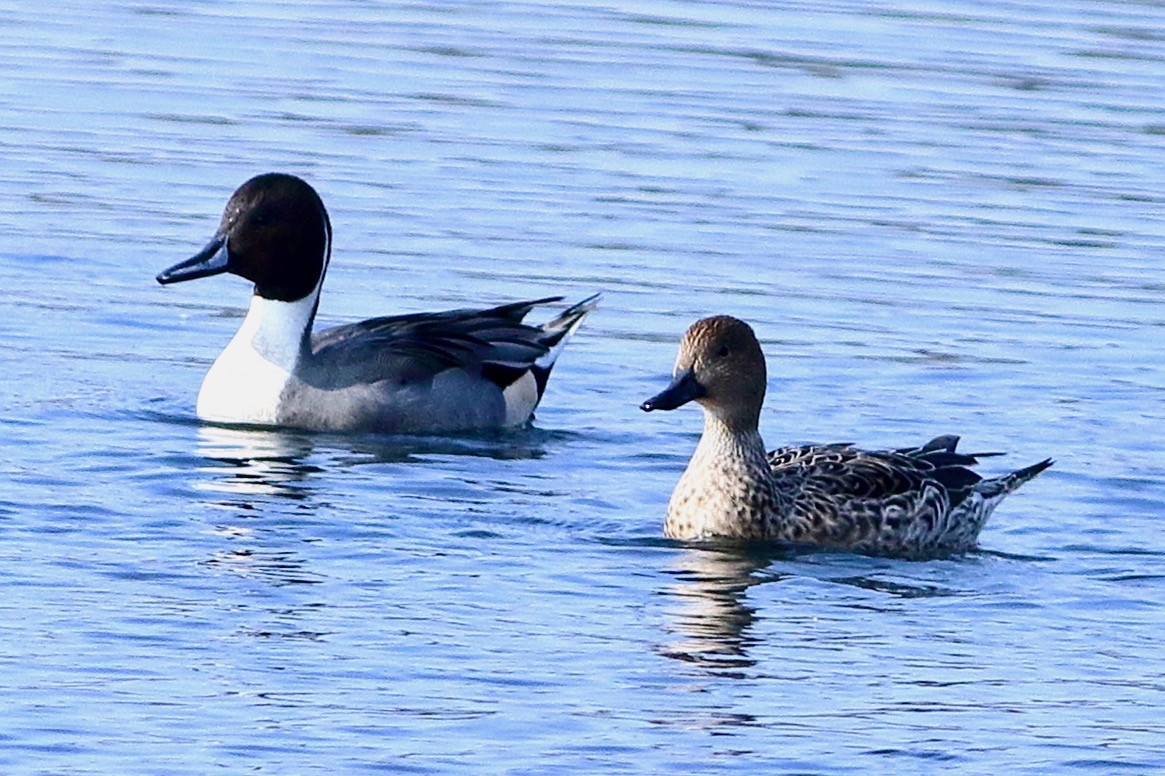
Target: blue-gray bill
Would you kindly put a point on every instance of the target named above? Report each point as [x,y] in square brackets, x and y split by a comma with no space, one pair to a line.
[214,259]
[683,389]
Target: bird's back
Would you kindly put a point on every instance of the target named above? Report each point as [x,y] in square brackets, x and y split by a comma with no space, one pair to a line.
[910,501]
[430,372]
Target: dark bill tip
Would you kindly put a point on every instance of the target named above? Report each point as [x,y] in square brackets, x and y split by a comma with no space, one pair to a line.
[211,260]
[683,389]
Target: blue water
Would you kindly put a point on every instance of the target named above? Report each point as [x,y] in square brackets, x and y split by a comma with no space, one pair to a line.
[939,217]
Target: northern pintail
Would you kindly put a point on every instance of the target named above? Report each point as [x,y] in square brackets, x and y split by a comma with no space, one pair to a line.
[910,502]
[420,373]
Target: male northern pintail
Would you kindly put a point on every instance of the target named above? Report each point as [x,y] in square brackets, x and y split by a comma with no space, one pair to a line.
[426,372]
[910,502]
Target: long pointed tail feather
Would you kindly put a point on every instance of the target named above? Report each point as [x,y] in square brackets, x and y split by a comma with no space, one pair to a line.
[558,331]
[560,328]
[998,486]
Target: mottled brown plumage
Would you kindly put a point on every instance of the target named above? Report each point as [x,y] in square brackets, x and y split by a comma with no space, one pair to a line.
[909,502]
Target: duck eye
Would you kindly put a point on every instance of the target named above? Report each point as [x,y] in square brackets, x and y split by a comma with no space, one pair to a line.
[261,217]
[723,351]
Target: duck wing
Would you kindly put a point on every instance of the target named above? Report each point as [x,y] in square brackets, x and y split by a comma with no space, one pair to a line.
[898,502]
[492,343]
[840,469]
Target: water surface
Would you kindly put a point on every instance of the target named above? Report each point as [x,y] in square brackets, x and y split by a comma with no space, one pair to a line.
[940,218]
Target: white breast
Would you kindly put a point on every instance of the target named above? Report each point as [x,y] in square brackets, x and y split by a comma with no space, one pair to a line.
[246,381]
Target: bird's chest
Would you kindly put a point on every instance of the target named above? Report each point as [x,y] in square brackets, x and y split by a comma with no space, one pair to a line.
[242,387]
[724,499]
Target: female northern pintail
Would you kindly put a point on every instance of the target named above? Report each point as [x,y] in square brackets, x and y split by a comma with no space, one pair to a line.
[427,372]
[911,502]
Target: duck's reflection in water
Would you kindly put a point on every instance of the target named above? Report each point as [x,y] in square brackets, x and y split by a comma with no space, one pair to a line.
[261,481]
[253,463]
[273,486]
[258,462]
[711,619]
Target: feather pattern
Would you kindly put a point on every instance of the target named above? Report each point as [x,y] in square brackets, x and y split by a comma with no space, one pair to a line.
[910,502]
[431,371]
[433,342]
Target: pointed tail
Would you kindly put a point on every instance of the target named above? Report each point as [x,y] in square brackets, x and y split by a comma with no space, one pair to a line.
[1001,486]
[558,331]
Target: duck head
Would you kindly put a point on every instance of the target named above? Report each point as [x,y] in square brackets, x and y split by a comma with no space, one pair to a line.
[274,232]
[720,366]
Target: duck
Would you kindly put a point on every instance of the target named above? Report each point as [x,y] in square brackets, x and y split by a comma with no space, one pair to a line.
[421,373]
[910,502]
